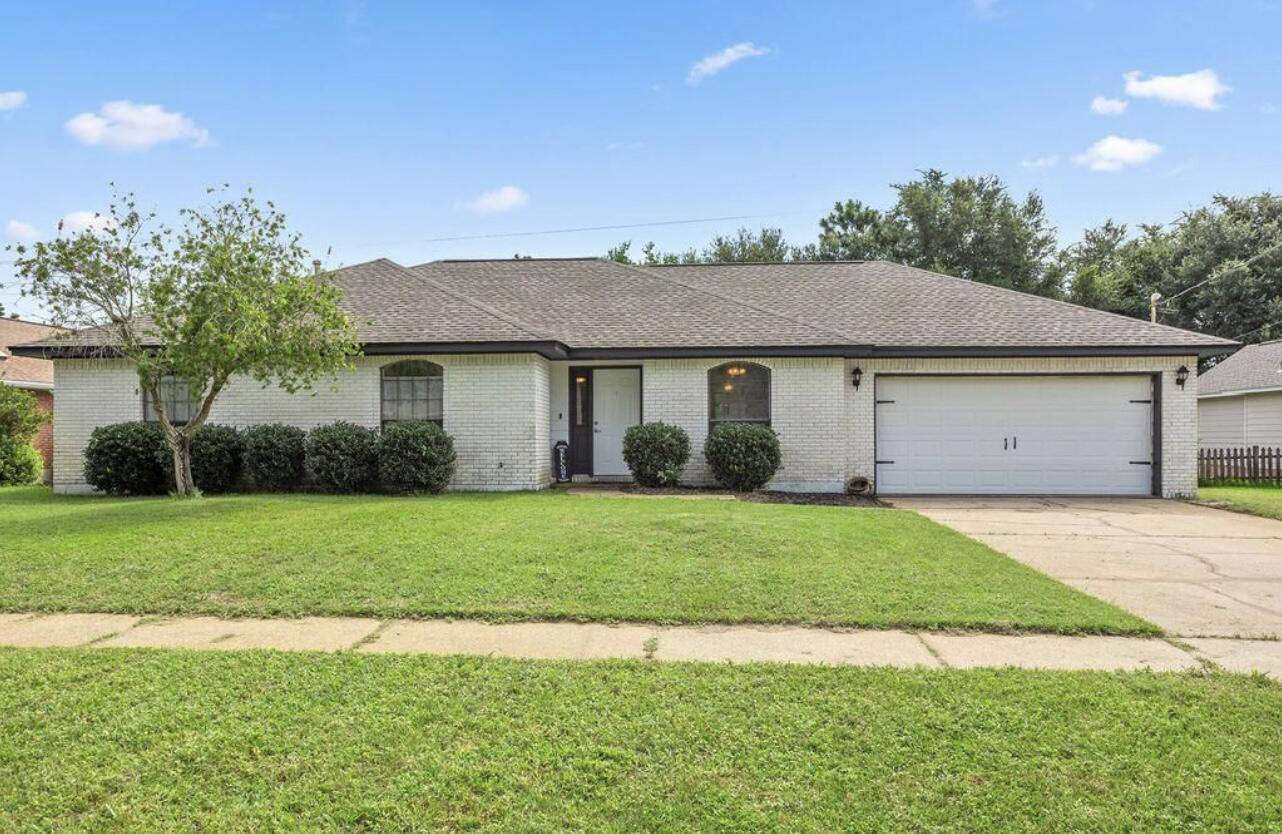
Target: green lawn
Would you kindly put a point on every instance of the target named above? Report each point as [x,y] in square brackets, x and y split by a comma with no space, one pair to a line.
[114,740]
[1258,500]
[522,556]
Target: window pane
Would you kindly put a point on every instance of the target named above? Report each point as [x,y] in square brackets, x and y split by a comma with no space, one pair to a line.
[412,390]
[739,392]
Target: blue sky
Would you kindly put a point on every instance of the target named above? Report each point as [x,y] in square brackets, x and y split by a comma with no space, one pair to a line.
[378,126]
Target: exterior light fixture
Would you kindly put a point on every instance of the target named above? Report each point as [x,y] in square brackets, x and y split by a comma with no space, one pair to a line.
[1181,376]
[857,376]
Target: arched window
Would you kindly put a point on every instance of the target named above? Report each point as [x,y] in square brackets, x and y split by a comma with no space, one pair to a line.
[738,392]
[412,390]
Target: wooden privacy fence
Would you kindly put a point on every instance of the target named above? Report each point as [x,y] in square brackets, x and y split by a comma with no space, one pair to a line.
[1254,464]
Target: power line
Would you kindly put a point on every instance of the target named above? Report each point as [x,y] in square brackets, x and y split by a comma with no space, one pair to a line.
[609,228]
[1256,330]
[1222,272]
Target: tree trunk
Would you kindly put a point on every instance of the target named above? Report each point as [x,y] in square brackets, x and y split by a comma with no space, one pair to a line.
[183,483]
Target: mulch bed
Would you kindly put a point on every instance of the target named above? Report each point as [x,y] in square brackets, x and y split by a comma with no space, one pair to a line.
[830,499]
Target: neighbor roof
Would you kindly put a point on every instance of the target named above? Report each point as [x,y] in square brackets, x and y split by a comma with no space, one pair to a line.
[1252,368]
[595,308]
[24,371]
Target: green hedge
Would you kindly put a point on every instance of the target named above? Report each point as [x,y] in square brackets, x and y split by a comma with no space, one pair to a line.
[343,457]
[416,456]
[656,453]
[743,456]
[275,456]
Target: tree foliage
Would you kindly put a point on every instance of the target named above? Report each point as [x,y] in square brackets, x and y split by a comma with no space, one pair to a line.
[226,294]
[1218,268]
[970,227]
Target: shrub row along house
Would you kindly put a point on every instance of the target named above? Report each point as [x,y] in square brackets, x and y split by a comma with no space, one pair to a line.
[918,382]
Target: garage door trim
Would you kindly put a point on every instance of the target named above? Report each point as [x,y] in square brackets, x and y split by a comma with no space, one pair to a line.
[1155,385]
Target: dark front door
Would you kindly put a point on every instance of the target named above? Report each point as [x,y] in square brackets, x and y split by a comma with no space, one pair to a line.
[580,421]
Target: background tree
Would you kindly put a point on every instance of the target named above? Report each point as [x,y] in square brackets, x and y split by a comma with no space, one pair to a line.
[745,245]
[20,417]
[1218,268]
[969,227]
[228,294]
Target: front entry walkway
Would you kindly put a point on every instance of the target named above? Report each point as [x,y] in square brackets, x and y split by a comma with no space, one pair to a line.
[589,641]
[1193,570]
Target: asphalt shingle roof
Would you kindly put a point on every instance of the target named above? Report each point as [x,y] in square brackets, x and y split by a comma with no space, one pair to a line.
[1251,368]
[591,304]
[891,305]
[23,369]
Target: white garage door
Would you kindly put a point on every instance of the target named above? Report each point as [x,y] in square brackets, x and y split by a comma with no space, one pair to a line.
[1022,435]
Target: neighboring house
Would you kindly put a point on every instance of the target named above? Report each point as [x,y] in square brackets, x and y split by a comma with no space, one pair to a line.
[33,374]
[918,381]
[1240,399]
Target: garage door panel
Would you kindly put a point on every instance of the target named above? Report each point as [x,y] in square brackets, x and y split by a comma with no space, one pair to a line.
[1013,434]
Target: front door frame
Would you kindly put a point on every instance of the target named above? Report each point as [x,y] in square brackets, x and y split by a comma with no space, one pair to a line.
[581,438]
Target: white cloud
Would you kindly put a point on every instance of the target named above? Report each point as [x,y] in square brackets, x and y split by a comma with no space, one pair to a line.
[507,198]
[984,8]
[84,221]
[1113,153]
[1040,162]
[718,61]
[18,230]
[1268,108]
[12,100]
[1201,89]
[124,125]
[1104,106]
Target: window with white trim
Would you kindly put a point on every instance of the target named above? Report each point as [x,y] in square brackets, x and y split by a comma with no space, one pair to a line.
[412,390]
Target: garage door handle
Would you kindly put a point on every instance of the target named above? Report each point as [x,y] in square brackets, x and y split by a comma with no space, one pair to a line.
[1014,443]
[1005,443]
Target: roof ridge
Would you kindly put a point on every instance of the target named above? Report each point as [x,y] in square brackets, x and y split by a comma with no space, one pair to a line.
[508,260]
[760,263]
[772,313]
[1060,302]
[480,305]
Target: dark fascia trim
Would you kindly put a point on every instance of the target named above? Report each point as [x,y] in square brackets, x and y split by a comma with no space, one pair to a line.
[697,352]
[1047,351]
[547,349]
[558,350]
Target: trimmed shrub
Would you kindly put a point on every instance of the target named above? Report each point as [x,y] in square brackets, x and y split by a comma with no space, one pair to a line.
[743,456]
[343,457]
[416,456]
[20,463]
[20,414]
[274,456]
[129,459]
[215,458]
[655,453]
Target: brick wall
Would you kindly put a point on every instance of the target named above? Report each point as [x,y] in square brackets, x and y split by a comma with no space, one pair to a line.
[502,411]
[1179,406]
[494,408]
[806,411]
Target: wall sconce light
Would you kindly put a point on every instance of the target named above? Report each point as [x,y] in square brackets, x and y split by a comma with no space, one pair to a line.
[1181,376]
[857,376]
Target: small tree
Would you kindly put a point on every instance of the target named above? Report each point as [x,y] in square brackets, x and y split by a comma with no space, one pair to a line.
[20,417]
[227,294]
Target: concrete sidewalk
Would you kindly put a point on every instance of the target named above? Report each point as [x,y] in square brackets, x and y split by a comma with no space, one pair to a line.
[588,641]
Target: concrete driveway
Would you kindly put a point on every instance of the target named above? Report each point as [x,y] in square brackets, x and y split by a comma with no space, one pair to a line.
[1194,571]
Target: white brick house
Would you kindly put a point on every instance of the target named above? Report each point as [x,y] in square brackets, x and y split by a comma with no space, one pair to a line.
[918,382]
